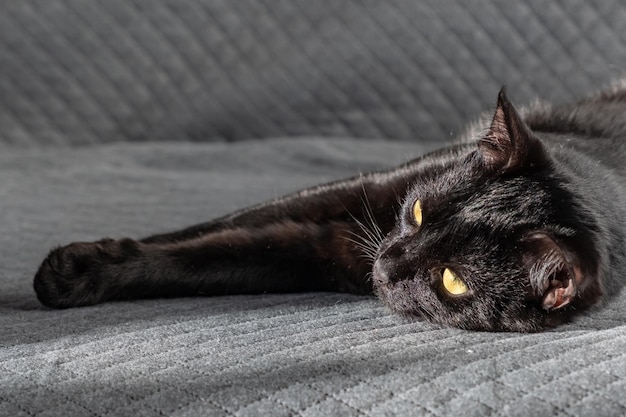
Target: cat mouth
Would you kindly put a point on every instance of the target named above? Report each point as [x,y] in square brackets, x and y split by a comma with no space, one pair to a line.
[390,291]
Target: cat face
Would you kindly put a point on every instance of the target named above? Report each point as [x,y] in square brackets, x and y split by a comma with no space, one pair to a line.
[493,242]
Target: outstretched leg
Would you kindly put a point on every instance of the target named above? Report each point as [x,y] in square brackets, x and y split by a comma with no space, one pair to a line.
[319,239]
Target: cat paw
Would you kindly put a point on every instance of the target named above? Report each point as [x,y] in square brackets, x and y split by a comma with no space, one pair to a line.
[70,276]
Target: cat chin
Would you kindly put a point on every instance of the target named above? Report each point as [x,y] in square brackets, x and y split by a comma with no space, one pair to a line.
[395,297]
[399,298]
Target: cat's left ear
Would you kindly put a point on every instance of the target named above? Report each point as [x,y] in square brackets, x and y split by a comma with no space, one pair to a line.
[509,145]
[554,272]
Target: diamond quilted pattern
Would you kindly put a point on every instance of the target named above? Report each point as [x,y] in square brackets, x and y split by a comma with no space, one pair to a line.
[80,72]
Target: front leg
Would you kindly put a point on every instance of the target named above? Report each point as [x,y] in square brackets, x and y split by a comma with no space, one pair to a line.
[315,240]
[282,257]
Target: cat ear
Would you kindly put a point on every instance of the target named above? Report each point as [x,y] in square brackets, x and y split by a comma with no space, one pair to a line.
[554,273]
[509,144]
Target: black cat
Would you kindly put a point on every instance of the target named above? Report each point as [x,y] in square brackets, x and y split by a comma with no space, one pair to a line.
[518,229]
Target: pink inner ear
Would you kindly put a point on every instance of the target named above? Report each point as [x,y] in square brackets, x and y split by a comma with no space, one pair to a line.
[554,274]
[558,296]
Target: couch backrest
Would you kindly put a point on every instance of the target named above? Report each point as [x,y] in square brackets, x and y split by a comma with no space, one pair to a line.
[87,71]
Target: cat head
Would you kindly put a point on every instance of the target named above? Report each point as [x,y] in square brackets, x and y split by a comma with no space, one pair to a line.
[492,240]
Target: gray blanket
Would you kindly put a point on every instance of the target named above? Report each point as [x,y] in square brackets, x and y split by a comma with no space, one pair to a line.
[126,118]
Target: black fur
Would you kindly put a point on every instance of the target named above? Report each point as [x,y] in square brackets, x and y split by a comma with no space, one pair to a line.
[528,213]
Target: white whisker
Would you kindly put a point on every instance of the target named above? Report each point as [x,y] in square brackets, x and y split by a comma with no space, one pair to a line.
[371,235]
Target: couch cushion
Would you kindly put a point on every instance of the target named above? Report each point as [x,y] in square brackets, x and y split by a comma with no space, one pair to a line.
[315,354]
[77,72]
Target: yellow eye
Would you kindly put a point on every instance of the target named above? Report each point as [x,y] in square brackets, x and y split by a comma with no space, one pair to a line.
[417,212]
[452,283]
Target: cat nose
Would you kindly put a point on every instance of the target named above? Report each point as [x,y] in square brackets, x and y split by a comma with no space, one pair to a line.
[379,273]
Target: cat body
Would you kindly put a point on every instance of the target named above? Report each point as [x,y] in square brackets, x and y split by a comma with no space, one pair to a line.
[518,227]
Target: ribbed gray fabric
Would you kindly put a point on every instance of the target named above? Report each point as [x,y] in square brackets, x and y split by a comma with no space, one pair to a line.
[125,118]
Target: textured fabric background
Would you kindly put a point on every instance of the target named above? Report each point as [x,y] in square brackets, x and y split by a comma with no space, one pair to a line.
[125,118]
[87,71]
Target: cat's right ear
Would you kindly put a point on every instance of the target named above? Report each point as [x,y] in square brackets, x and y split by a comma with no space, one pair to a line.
[509,145]
[554,272]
